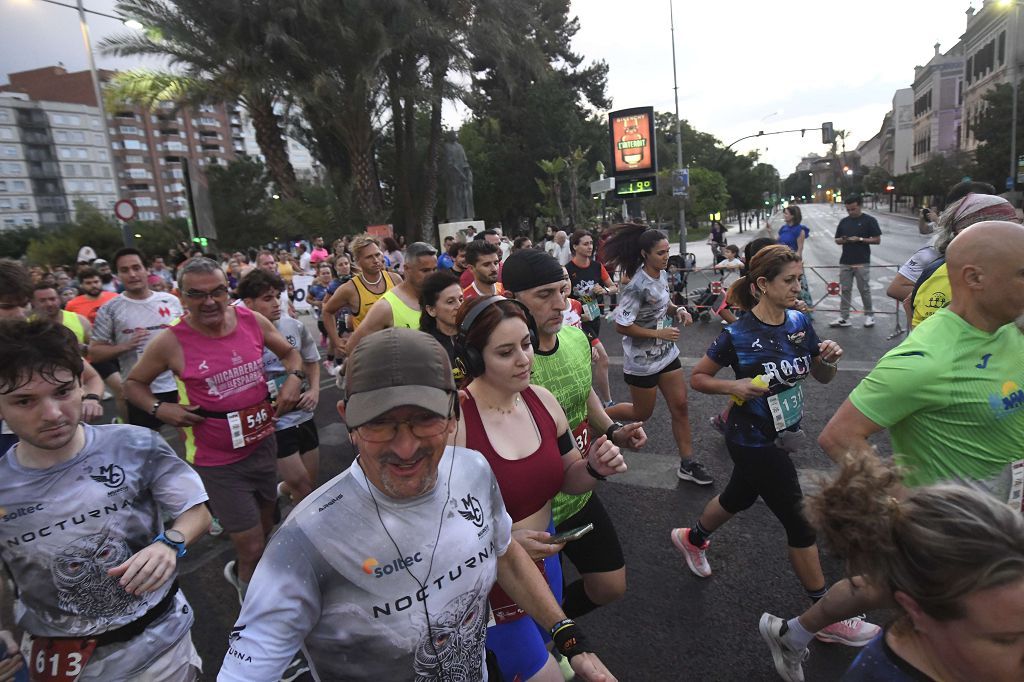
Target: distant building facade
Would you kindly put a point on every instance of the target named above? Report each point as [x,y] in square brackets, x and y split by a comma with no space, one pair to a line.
[938,96]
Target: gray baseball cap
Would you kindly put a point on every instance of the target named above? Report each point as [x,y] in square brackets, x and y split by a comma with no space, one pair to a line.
[396,367]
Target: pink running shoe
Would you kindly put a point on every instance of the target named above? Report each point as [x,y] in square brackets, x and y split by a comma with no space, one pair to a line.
[852,632]
[696,557]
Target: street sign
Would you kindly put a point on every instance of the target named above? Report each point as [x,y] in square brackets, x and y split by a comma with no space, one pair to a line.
[603,185]
[680,192]
[681,177]
[1009,183]
[125,210]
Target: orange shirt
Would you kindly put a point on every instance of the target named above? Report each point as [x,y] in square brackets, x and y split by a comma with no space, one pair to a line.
[470,292]
[87,307]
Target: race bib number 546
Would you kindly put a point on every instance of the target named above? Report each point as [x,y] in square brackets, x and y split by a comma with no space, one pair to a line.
[251,425]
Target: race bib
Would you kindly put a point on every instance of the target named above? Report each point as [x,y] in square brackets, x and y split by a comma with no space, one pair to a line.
[787,407]
[251,425]
[581,434]
[591,310]
[663,323]
[59,659]
[1016,499]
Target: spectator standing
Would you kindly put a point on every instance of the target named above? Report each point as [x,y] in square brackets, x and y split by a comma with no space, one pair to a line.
[856,233]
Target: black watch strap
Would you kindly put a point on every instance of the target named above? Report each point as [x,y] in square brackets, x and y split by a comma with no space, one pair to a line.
[91,396]
[612,428]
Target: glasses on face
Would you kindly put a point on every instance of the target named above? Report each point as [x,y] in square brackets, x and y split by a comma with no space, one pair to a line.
[385,430]
[216,294]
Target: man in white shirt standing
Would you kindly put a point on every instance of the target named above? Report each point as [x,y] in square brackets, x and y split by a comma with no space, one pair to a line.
[125,324]
[304,260]
[559,248]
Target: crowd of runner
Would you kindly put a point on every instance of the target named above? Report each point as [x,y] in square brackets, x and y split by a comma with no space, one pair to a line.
[477,400]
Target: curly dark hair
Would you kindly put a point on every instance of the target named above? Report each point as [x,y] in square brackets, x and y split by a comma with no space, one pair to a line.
[37,347]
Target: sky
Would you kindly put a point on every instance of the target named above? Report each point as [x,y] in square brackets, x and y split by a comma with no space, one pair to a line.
[743,65]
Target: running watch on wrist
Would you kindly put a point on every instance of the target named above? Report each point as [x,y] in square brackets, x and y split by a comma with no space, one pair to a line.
[612,428]
[91,396]
[173,539]
[299,373]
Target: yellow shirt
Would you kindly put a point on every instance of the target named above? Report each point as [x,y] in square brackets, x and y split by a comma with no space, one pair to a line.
[932,295]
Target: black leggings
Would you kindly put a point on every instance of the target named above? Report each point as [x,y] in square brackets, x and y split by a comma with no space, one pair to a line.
[768,473]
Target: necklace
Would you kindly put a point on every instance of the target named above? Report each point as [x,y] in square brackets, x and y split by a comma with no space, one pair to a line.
[380,278]
[501,410]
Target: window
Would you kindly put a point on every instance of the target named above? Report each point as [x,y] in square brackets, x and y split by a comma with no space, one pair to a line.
[28,222]
[18,185]
[1001,50]
[71,185]
[14,168]
[23,204]
[97,139]
[81,153]
[75,120]
[129,130]
[6,134]
[57,119]
[86,169]
[9,222]
[133,159]
[5,115]
[78,137]
[5,203]
[137,173]
[207,121]
[101,154]
[94,122]
[10,150]
[3,185]
[65,153]
[61,136]
[133,144]
[69,170]
[108,187]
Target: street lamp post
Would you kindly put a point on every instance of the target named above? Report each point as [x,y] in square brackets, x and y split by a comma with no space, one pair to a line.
[679,132]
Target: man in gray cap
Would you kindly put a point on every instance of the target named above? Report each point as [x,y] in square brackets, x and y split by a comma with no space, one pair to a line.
[383,573]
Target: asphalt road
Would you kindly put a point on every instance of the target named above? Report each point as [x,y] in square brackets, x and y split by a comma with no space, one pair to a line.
[670,625]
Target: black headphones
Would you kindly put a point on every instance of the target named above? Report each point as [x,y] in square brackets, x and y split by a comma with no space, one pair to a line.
[469,359]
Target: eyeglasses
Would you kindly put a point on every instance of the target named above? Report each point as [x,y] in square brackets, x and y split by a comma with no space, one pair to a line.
[197,295]
[384,430]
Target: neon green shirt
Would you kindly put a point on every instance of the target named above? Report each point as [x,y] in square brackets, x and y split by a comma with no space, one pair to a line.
[402,314]
[565,371]
[952,397]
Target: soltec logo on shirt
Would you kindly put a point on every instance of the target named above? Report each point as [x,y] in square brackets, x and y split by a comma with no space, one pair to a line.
[372,567]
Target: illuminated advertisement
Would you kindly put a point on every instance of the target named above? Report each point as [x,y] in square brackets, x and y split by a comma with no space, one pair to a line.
[632,137]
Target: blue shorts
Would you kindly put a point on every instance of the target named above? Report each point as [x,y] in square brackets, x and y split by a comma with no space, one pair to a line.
[521,645]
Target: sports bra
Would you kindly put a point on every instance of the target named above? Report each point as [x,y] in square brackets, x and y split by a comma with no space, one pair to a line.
[526,484]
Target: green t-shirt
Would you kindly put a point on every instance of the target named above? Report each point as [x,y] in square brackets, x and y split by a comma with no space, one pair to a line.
[952,397]
[565,371]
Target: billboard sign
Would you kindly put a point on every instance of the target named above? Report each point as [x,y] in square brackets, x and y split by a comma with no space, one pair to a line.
[632,141]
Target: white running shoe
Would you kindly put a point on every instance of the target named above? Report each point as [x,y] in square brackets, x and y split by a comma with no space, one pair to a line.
[788,663]
[841,322]
[869,320]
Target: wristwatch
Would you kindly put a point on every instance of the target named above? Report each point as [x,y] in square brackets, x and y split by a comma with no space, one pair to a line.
[299,373]
[612,428]
[173,539]
[91,396]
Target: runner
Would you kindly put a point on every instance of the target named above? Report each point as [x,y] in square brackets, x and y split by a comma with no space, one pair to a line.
[15,291]
[970,435]
[523,433]
[644,317]
[561,364]
[266,262]
[46,305]
[127,323]
[959,586]
[298,443]
[590,282]
[320,290]
[400,307]
[216,354]
[384,572]
[483,259]
[771,349]
[87,304]
[440,301]
[97,597]
[365,289]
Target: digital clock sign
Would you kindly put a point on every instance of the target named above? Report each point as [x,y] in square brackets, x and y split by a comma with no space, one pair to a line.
[640,186]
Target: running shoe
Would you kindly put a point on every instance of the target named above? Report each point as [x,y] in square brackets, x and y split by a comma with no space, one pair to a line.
[296,670]
[231,575]
[215,527]
[330,368]
[788,663]
[696,557]
[841,322]
[852,632]
[694,472]
[718,424]
[869,320]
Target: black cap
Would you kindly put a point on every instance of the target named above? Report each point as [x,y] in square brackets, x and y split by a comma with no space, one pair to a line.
[530,268]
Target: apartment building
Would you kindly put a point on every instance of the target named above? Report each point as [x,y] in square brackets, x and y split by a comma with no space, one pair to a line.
[52,154]
[987,45]
[938,95]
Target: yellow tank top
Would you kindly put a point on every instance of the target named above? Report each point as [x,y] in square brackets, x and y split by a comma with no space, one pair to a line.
[367,298]
[933,294]
[73,322]
[403,315]
[286,271]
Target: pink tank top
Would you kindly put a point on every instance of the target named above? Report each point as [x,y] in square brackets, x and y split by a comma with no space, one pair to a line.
[224,376]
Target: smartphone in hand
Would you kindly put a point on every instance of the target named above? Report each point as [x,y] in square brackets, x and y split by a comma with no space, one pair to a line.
[570,535]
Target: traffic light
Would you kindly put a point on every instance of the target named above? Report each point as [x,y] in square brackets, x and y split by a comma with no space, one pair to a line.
[828,135]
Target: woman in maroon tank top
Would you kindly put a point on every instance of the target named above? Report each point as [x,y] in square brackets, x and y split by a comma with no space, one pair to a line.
[525,436]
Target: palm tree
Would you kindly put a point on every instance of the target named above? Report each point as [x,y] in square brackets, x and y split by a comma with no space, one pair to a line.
[218,53]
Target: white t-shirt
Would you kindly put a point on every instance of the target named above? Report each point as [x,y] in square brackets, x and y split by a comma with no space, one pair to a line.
[118,319]
[64,526]
[304,263]
[332,582]
[644,302]
[299,337]
[916,264]
[562,253]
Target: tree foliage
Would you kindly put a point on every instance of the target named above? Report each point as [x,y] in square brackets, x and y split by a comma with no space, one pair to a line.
[992,129]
